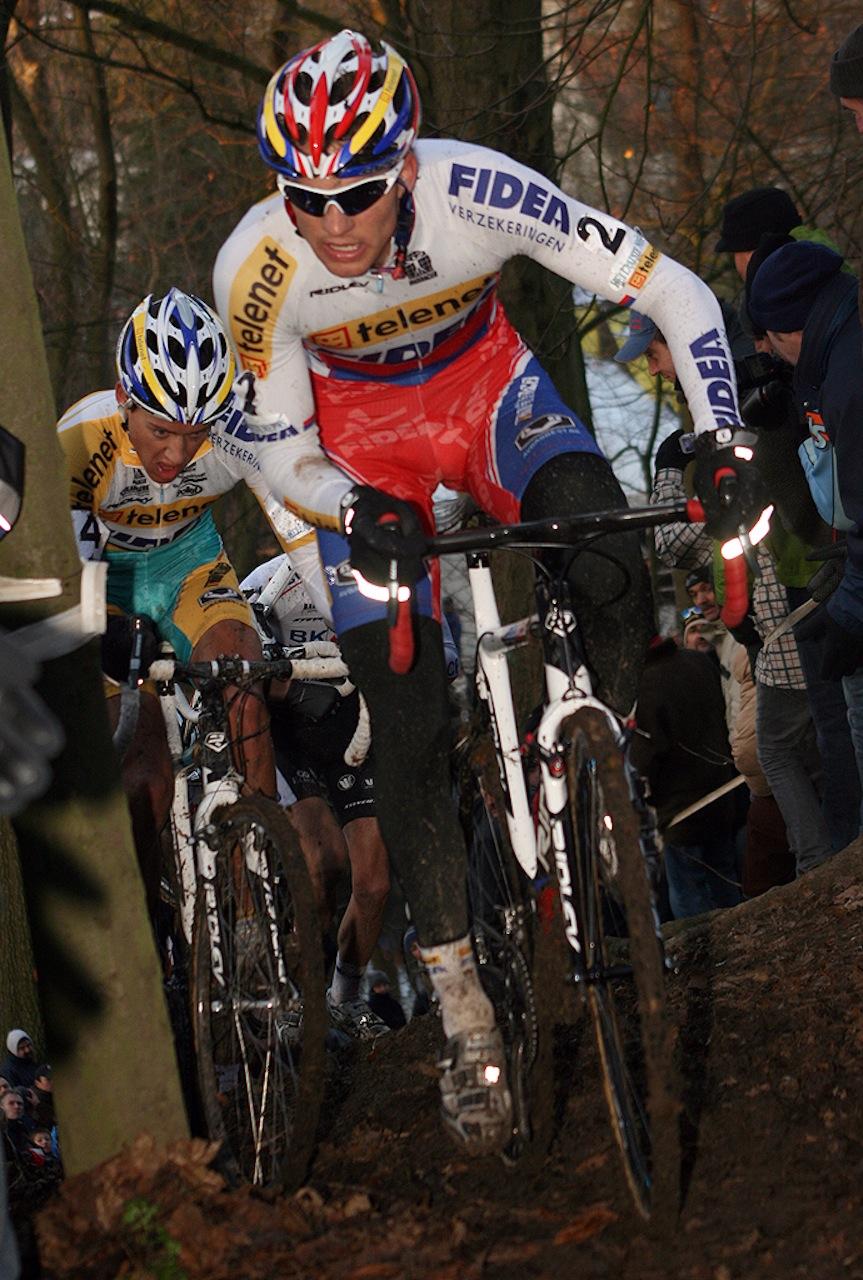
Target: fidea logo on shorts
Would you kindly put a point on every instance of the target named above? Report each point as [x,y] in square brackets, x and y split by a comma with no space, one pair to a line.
[711,361]
[257,293]
[506,191]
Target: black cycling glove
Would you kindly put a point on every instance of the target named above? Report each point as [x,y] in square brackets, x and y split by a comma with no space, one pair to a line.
[382,529]
[727,481]
[670,455]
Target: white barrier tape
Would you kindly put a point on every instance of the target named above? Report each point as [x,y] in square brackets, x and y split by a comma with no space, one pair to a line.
[64,632]
[706,800]
[14,589]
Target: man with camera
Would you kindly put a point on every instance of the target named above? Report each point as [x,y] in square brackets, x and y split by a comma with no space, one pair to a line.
[786,727]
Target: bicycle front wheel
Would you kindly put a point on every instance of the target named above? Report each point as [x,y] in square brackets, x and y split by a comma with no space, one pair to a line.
[624,963]
[510,947]
[257,995]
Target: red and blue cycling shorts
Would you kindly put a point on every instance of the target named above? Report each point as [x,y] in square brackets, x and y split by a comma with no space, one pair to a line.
[482,424]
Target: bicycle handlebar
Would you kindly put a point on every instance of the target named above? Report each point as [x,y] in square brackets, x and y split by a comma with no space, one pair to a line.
[562,532]
[233,670]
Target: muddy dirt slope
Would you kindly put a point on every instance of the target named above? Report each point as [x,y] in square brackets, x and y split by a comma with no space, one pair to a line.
[768,1004]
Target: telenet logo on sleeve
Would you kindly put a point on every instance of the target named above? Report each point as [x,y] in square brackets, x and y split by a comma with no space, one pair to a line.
[257,294]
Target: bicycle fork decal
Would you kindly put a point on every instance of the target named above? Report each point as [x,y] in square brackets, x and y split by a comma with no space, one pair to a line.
[214,931]
[560,845]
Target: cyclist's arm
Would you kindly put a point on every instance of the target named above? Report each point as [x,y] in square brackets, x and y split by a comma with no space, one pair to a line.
[90,446]
[295,536]
[679,545]
[280,405]
[606,257]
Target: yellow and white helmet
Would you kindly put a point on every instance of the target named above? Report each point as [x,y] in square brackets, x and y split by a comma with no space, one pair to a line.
[174,359]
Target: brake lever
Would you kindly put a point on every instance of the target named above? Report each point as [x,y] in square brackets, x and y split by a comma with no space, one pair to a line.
[750,555]
[393,593]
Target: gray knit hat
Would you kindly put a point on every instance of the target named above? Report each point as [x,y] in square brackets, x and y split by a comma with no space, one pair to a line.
[846,67]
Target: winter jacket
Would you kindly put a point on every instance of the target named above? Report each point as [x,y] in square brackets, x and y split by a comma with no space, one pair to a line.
[682,747]
[828,385]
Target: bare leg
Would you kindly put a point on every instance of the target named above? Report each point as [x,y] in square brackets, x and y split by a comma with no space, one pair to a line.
[370,882]
[324,850]
[249,721]
[148,781]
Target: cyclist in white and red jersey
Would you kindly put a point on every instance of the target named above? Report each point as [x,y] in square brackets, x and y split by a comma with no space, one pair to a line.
[146,462]
[362,300]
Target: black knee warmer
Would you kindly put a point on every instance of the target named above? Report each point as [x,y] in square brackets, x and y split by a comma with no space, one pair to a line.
[608,579]
[411,734]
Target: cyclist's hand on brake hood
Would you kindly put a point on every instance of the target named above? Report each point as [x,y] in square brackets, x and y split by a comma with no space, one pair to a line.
[382,531]
[730,488]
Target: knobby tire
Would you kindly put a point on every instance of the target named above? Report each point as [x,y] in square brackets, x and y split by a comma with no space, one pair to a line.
[618,927]
[511,944]
[261,1077]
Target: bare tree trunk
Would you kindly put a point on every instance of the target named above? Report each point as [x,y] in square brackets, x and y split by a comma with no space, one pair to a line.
[99,981]
[105,237]
[484,65]
[19,1003]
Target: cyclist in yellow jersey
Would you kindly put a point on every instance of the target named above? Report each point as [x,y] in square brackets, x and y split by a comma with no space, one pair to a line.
[146,463]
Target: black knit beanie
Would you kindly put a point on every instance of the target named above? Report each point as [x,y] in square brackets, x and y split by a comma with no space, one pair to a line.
[749,216]
[787,284]
[846,67]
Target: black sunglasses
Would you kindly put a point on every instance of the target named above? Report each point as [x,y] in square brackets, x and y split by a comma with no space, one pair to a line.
[352,200]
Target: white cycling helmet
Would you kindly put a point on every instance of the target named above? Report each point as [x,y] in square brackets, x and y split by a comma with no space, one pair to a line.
[344,108]
[174,360]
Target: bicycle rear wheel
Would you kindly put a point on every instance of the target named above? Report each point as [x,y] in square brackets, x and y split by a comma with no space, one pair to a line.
[257,996]
[624,962]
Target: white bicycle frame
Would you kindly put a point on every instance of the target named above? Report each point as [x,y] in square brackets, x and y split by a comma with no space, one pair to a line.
[194,857]
[564,695]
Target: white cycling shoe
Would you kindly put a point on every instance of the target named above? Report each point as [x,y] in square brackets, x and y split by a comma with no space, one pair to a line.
[356,1019]
[476,1104]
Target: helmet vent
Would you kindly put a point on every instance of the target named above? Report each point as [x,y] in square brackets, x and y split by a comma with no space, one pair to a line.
[303,88]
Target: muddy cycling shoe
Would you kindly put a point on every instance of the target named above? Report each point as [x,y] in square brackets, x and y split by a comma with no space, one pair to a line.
[476,1105]
[356,1019]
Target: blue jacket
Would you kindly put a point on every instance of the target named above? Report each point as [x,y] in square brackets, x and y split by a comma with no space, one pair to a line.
[828,383]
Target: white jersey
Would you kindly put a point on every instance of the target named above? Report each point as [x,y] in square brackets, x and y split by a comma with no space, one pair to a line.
[298,615]
[475,209]
[296,618]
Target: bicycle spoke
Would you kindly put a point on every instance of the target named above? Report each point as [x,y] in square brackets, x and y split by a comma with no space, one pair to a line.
[260,1085]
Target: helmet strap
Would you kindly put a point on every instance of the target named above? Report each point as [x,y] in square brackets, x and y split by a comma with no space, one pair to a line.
[404,231]
[289,210]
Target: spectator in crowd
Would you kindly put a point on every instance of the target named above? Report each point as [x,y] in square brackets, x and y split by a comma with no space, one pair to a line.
[19,1067]
[698,633]
[749,216]
[785,725]
[383,1002]
[700,589]
[681,748]
[43,1089]
[779,421]
[808,308]
[767,859]
[40,1152]
[846,75]
[17,1124]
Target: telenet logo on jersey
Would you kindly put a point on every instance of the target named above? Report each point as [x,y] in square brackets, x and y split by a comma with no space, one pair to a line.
[416,314]
[257,294]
